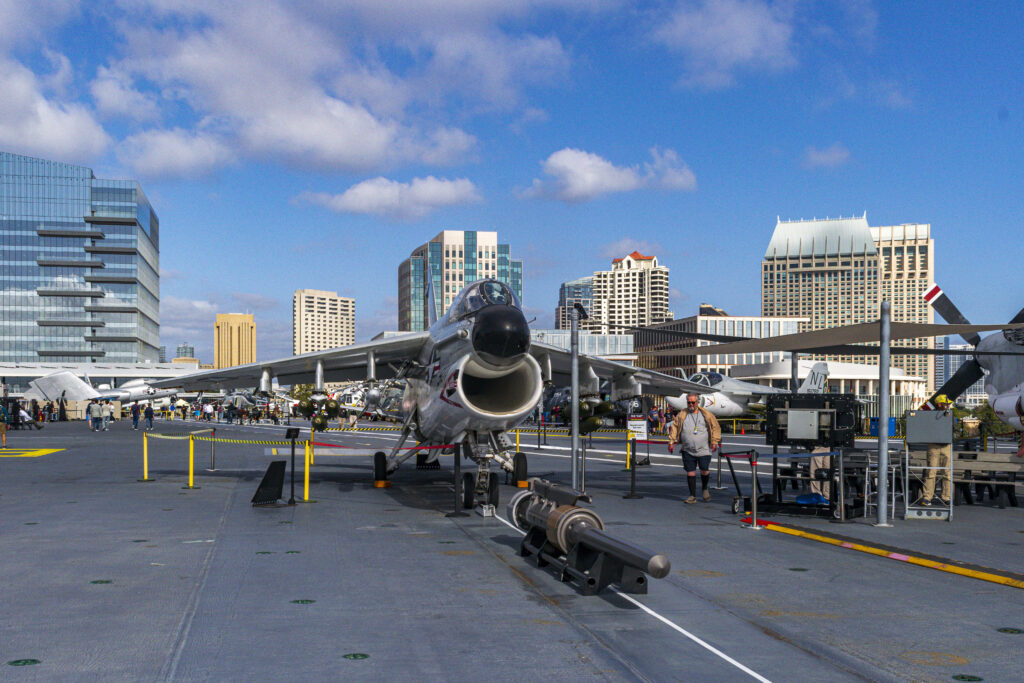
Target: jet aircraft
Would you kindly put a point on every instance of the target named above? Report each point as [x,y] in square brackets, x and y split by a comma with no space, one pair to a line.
[469,378]
[67,385]
[725,396]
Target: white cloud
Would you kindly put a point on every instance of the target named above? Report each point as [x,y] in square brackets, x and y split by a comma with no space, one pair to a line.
[627,245]
[326,98]
[577,176]
[720,37]
[668,172]
[396,200]
[112,92]
[28,22]
[828,157]
[32,124]
[530,115]
[156,153]
[62,75]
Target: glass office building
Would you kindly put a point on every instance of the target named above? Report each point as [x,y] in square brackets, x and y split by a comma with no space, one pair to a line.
[449,262]
[79,264]
[579,291]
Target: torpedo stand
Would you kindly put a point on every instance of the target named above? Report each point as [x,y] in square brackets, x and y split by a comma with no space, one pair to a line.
[572,540]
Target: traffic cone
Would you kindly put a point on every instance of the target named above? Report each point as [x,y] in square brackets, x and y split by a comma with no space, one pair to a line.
[743,431]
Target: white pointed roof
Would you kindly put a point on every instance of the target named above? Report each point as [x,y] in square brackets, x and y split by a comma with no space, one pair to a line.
[830,236]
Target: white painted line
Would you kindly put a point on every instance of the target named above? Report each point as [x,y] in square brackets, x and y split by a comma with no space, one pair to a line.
[668,622]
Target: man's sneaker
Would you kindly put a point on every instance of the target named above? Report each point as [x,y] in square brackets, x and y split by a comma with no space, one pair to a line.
[706,495]
[691,500]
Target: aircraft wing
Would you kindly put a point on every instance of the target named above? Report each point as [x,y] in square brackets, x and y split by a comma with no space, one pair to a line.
[341,364]
[559,361]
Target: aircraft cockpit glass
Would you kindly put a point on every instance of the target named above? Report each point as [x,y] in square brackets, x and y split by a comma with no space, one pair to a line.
[480,294]
[708,379]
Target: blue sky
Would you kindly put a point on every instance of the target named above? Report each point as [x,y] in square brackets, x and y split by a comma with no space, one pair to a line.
[314,145]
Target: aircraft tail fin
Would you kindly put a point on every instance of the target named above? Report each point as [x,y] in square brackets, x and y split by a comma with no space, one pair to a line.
[63,384]
[815,380]
[431,301]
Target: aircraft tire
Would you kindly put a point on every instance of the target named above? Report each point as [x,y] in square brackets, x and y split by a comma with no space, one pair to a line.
[493,493]
[380,466]
[519,471]
[468,490]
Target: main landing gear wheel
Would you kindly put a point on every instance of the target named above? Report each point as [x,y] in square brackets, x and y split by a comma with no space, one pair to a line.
[468,490]
[519,467]
[492,489]
[380,466]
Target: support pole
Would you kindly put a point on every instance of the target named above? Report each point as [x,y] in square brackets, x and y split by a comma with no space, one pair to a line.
[145,457]
[631,466]
[574,336]
[305,474]
[213,451]
[884,336]
[457,474]
[291,500]
[191,463]
[540,420]
[583,468]
[319,376]
[794,371]
[753,493]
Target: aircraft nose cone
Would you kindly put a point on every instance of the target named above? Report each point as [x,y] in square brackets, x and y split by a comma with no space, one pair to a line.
[500,334]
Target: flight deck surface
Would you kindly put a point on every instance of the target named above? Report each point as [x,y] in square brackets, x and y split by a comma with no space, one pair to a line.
[109,578]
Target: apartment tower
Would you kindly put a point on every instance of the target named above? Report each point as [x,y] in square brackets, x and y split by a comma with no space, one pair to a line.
[322,320]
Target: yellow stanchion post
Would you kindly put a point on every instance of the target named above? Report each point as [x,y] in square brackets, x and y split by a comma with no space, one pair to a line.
[627,456]
[305,476]
[191,463]
[312,451]
[145,458]
[517,441]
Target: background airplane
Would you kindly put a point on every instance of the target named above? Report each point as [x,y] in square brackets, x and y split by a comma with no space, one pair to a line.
[67,385]
[468,379]
[725,396]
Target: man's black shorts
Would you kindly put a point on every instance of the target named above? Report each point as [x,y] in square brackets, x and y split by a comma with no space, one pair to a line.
[690,462]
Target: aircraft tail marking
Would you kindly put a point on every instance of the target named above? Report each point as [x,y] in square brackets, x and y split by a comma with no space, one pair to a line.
[814,383]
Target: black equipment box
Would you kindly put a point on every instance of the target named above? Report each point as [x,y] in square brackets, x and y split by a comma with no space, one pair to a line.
[811,420]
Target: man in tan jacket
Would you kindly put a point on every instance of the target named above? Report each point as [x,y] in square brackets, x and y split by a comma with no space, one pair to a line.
[697,432]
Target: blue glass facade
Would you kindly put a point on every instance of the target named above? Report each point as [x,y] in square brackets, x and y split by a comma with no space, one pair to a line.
[79,264]
[452,260]
[575,291]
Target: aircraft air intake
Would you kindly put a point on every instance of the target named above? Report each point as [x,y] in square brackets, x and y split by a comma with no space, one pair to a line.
[500,335]
[486,392]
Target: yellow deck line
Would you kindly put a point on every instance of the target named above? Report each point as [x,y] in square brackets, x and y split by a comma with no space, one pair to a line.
[901,557]
[27,452]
